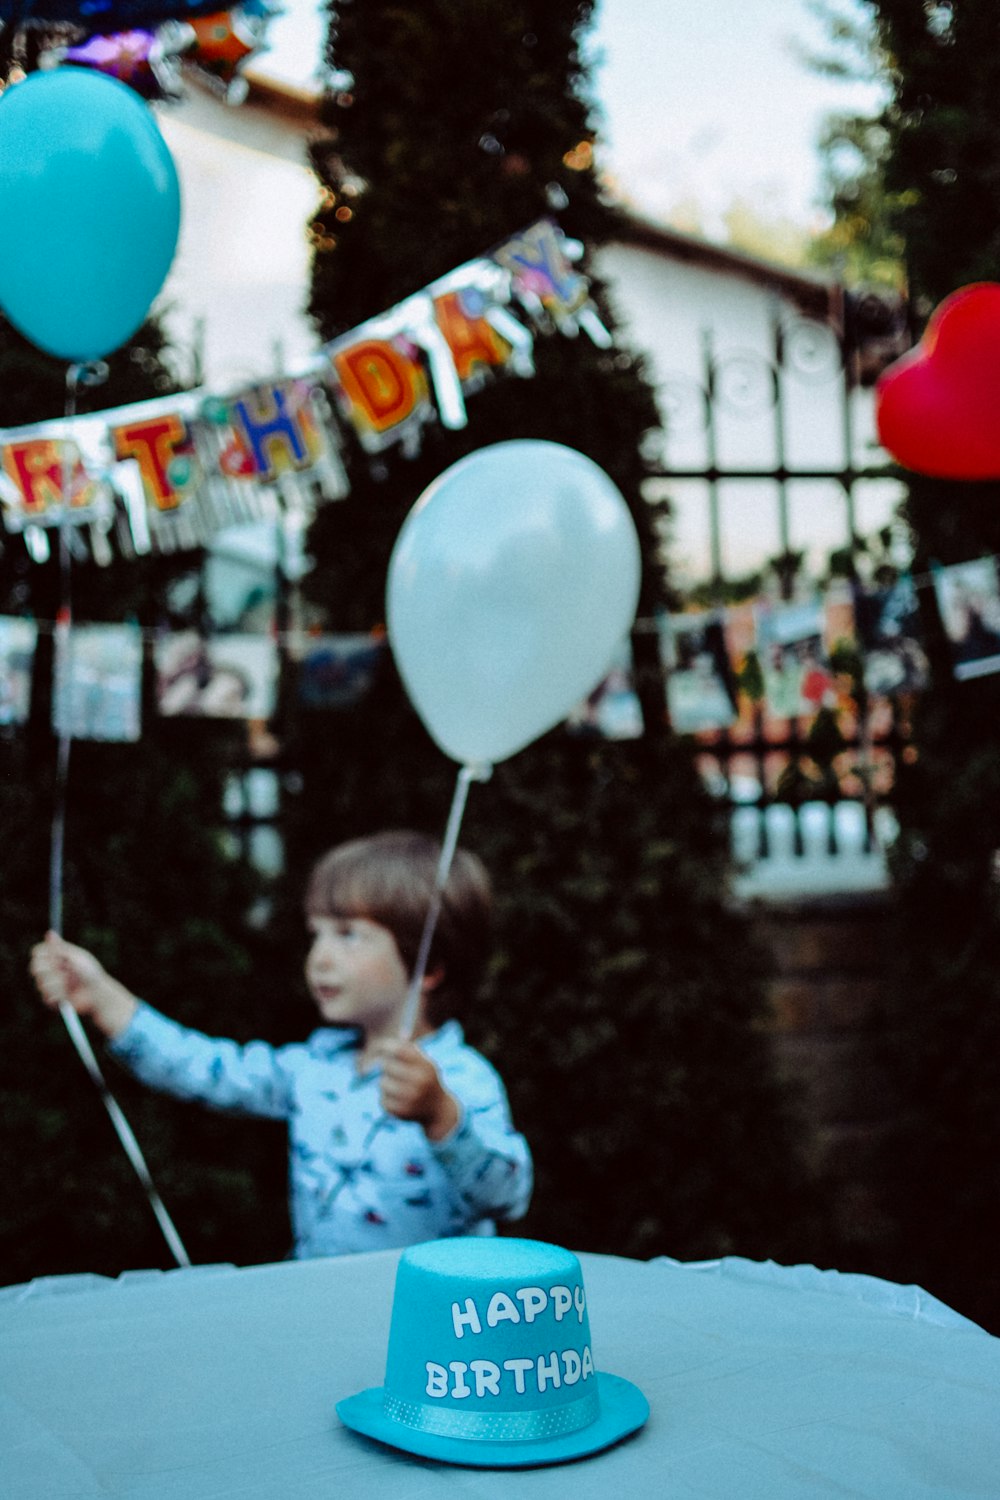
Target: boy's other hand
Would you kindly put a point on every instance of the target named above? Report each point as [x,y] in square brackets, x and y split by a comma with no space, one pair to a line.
[412,1089]
[67,975]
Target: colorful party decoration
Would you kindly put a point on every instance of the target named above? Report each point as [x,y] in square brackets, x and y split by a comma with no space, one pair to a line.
[546,283]
[182,467]
[472,306]
[96,17]
[147,61]
[44,473]
[937,407]
[163,447]
[475,346]
[91,211]
[382,388]
[224,42]
[511,585]
[277,429]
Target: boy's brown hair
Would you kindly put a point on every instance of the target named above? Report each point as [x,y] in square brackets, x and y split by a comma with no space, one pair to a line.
[389,878]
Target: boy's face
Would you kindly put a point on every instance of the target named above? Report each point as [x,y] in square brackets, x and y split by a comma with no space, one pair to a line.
[356,975]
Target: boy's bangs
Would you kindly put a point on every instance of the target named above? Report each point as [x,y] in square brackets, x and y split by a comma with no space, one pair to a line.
[391,892]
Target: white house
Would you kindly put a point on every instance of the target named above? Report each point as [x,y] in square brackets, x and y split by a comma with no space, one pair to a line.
[240,278]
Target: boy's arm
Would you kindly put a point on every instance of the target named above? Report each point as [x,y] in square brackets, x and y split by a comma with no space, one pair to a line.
[487,1161]
[249,1078]
[160,1052]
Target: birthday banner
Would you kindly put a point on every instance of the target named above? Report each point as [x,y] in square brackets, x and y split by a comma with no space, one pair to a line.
[170,473]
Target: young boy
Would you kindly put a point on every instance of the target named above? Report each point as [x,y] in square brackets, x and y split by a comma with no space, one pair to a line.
[392,1141]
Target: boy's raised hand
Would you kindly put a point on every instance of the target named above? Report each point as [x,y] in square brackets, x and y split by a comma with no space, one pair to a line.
[67,975]
[412,1089]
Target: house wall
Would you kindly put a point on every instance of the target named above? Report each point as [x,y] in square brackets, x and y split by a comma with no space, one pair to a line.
[669,309]
[242,265]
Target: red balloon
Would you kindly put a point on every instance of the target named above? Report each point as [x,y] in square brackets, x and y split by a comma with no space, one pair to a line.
[937,409]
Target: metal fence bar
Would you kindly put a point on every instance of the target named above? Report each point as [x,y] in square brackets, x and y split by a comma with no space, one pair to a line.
[749,383]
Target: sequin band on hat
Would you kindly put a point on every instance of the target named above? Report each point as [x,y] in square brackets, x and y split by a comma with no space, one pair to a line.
[502,1426]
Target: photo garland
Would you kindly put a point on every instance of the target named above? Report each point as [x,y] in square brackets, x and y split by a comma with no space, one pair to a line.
[718,664]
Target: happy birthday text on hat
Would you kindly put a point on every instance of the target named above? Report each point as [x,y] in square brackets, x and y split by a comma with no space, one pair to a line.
[525,1305]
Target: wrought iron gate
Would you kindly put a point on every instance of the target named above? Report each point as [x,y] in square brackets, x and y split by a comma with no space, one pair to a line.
[847,758]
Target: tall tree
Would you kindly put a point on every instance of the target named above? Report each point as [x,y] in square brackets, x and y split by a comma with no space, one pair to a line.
[938,169]
[863,245]
[626,997]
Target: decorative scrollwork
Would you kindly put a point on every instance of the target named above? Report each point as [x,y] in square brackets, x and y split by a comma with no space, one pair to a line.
[811,350]
[683,403]
[745,383]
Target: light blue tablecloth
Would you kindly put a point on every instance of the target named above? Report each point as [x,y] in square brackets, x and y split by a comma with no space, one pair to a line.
[765,1383]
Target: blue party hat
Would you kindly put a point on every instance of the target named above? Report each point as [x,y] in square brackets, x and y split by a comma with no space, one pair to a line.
[490,1362]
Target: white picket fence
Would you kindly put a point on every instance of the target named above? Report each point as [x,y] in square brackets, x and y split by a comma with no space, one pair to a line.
[824,866]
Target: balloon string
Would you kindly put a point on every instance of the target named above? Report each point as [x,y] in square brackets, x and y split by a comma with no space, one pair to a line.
[62,642]
[466,776]
[124,1131]
[57,855]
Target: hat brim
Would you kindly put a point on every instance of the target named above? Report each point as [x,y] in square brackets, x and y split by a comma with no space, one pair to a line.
[624,1409]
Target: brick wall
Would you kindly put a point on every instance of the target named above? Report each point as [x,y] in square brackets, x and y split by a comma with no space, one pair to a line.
[826,1021]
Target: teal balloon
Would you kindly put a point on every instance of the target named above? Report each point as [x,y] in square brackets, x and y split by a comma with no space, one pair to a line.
[89,211]
[512,584]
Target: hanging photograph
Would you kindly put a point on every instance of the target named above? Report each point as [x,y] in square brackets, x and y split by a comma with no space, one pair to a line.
[612,709]
[888,622]
[225,677]
[968,599]
[793,659]
[701,687]
[18,639]
[336,671]
[97,690]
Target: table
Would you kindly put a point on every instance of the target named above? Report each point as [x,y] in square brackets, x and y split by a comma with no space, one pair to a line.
[765,1383]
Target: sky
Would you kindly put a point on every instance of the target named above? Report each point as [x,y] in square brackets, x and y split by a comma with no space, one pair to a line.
[703,101]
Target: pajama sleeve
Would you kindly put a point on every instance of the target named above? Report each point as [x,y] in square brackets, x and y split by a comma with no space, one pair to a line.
[249,1079]
[487,1162]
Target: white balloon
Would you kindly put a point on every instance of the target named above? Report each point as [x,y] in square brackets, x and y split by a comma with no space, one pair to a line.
[512,583]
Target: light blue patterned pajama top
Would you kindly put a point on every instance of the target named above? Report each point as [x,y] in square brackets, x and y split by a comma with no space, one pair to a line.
[359,1179]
